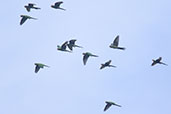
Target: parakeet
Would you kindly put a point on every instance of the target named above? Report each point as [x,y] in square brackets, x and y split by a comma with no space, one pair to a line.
[25,17]
[115,44]
[38,66]
[158,61]
[109,104]
[30,6]
[107,64]
[86,56]
[72,44]
[57,5]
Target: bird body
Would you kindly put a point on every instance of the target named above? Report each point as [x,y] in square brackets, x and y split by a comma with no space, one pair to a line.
[38,66]
[157,61]
[63,47]
[25,17]
[109,104]
[107,64]
[31,6]
[57,5]
[115,44]
[72,44]
[86,56]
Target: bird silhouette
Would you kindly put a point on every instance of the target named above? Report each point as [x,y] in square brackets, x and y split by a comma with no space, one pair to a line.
[57,5]
[31,6]
[25,17]
[157,61]
[115,44]
[38,66]
[86,56]
[63,47]
[106,64]
[72,44]
[109,104]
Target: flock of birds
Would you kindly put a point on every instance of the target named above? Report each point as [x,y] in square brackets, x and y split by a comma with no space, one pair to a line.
[71,44]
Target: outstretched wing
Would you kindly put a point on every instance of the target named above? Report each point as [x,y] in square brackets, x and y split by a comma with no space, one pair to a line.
[72,42]
[37,68]
[85,58]
[31,4]
[116,41]
[57,4]
[107,106]
[154,62]
[64,45]
[23,20]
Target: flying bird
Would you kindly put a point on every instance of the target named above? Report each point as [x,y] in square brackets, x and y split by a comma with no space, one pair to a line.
[25,17]
[38,66]
[86,56]
[72,44]
[57,5]
[115,44]
[63,47]
[109,104]
[107,64]
[158,61]
[31,6]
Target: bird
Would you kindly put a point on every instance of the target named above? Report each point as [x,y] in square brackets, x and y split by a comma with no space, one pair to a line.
[38,66]
[63,47]
[115,44]
[25,17]
[109,104]
[72,44]
[57,5]
[106,64]
[158,61]
[86,56]
[31,6]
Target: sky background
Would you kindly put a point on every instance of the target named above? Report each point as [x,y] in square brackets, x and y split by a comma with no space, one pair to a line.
[69,87]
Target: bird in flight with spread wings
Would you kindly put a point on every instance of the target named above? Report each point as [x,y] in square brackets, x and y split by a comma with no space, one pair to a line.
[157,61]
[57,5]
[63,47]
[72,44]
[25,17]
[38,66]
[107,64]
[86,56]
[31,6]
[109,104]
[115,44]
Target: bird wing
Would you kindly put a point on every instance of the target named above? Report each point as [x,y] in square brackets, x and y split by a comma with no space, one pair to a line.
[107,106]
[108,62]
[23,20]
[70,46]
[154,62]
[85,58]
[37,68]
[64,45]
[31,4]
[72,41]
[102,66]
[116,41]
[57,4]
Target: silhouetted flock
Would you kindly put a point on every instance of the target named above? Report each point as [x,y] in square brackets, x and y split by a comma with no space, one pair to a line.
[71,44]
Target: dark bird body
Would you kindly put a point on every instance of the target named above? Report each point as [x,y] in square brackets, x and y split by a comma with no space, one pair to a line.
[25,17]
[72,44]
[158,61]
[107,64]
[86,56]
[57,5]
[63,47]
[109,104]
[38,66]
[31,6]
[115,44]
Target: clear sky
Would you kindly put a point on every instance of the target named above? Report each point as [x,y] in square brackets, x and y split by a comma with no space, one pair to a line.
[69,87]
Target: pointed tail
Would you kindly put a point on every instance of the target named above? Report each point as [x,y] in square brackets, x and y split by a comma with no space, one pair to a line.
[122,48]
[163,63]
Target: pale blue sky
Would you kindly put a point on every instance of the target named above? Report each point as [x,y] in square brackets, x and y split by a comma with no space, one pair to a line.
[69,87]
